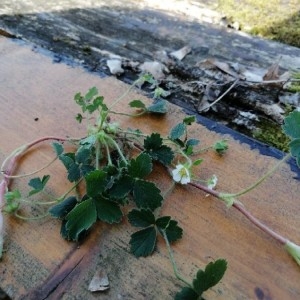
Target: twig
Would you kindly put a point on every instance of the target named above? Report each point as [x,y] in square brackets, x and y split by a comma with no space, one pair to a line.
[220,98]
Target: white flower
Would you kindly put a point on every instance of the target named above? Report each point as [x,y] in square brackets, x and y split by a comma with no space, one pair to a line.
[181,174]
[293,250]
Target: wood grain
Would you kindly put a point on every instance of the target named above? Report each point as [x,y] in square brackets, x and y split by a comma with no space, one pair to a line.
[38,264]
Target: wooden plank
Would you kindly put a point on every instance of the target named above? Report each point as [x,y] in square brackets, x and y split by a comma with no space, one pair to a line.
[38,264]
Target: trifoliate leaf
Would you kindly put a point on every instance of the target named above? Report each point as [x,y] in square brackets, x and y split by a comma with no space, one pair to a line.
[187,294]
[38,184]
[291,125]
[154,147]
[177,131]
[137,104]
[143,242]
[189,120]
[97,102]
[159,107]
[58,148]
[141,166]
[220,147]
[80,218]
[295,150]
[212,274]
[108,211]
[146,194]
[141,218]
[122,187]
[96,182]
[61,209]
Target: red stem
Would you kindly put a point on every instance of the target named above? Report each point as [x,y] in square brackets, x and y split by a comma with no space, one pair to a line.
[245,212]
[11,165]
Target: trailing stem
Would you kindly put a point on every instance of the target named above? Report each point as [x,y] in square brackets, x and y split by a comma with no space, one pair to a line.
[175,269]
[7,170]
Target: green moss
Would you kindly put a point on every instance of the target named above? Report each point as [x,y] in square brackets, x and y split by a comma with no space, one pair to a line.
[295,86]
[273,19]
[271,134]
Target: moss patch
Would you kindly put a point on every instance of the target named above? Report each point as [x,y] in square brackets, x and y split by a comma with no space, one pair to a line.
[273,19]
[271,134]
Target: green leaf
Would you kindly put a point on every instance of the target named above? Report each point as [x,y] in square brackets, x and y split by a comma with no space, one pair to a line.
[160,92]
[173,231]
[61,209]
[91,93]
[81,218]
[220,147]
[141,218]
[177,131]
[291,125]
[38,184]
[141,166]
[122,187]
[108,211]
[170,227]
[96,182]
[159,107]
[143,242]
[79,118]
[295,150]
[212,274]
[146,194]
[163,222]
[147,77]
[58,148]
[153,145]
[189,120]
[68,159]
[97,102]
[186,294]
[154,141]
[12,195]
[83,154]
[12,199]
[197,162]
[137,104]
[192,142]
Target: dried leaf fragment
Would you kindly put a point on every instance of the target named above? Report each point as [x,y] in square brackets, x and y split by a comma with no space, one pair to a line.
[99,282]
[181,53]
[272,73]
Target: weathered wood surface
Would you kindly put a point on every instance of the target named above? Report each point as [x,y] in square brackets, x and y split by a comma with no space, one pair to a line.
[135,30]
[38,264]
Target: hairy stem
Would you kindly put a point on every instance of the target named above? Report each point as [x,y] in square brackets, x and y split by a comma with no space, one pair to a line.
[244,211]
[7,169]
[263,178]
[175,269]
